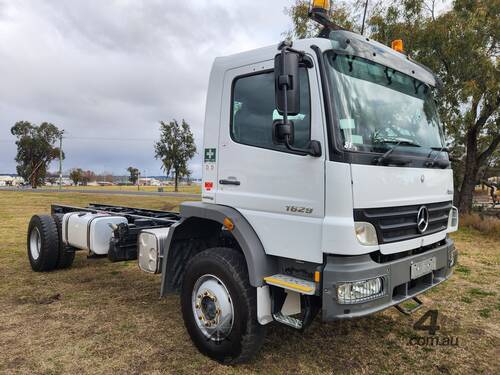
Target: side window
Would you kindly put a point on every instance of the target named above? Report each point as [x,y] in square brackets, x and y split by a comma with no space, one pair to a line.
[254,110]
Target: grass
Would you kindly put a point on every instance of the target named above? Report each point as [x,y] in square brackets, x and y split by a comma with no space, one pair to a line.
[484,224]
[191,189]
[100,317]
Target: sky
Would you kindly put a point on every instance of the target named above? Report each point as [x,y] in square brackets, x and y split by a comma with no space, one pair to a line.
[108,71]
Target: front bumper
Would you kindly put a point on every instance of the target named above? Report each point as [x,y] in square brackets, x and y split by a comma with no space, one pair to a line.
[398,285]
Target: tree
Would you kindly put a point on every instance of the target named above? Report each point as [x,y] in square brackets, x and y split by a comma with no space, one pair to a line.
[76,175]
[106,177]
[175,148]
[35,149]
[88,176]
[461,47]
[134,175]
[303,27]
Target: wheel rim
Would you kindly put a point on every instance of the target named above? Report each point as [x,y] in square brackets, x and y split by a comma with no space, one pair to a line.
[212,308]
[35,243]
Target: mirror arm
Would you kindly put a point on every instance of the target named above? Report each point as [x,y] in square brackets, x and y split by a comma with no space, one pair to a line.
[303,151]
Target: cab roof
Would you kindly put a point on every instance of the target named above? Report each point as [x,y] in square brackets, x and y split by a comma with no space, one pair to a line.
[342,42]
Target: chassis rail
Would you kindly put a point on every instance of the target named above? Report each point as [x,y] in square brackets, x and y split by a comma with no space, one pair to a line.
[123,245]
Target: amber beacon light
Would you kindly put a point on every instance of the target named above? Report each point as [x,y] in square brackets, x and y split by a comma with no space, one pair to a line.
[397,45]
[320,6]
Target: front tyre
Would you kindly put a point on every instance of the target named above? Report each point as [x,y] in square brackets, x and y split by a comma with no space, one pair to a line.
[43,243]
[219,306]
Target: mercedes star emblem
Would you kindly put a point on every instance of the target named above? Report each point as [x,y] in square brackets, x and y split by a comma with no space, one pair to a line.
[422,219]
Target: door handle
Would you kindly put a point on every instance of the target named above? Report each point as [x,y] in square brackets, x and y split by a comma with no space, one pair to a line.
[229,182]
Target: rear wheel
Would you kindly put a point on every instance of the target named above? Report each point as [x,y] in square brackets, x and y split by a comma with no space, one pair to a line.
[43,243]
[66,255]
[219,306]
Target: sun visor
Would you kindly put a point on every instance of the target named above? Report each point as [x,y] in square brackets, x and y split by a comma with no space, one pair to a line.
[346,42]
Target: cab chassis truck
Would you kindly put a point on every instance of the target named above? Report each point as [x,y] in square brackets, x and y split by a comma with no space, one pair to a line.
[326,187]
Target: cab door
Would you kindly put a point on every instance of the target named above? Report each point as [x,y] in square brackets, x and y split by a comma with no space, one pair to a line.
[279,192]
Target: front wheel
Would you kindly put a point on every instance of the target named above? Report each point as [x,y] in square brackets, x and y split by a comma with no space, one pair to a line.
[219,306]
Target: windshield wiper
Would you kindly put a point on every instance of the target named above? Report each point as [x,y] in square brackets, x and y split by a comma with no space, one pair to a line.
[398,142]
[440,163]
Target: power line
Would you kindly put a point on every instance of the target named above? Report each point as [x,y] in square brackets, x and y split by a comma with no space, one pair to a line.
[112,139]
[97,139]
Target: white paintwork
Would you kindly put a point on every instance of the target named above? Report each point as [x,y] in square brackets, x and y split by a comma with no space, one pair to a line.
[338,228]
[271,180]
[88,231]
[291,306]
[379,186]
[396,247]
[264,315]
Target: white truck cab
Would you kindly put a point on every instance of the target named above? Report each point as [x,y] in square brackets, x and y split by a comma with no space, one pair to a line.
[326,187]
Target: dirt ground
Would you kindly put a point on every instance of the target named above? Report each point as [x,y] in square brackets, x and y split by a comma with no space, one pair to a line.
[101,318]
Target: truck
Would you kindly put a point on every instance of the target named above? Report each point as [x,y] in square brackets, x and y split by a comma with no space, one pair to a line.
[327,189]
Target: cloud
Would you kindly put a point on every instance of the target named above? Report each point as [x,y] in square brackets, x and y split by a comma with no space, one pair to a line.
[108,71]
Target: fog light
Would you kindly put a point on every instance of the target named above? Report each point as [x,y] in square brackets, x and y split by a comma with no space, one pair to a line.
[452,258]
[365,233]
[453,220]
[360,291]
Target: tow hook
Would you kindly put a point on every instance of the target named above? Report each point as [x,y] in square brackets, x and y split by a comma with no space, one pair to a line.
[404,310]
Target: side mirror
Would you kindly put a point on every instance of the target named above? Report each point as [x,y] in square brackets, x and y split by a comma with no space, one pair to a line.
[287,85]
[287,97]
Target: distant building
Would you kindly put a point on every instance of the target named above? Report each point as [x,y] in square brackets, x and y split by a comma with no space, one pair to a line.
[66,181]
[7,180]
[149,181]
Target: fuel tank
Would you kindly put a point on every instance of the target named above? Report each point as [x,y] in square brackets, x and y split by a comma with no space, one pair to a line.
[89,231]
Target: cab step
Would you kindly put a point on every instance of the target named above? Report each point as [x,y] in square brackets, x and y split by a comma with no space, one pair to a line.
[292,283]
[288,320]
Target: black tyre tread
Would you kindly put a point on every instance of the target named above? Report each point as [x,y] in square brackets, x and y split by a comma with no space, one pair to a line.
[49,253]
[235,263]
[65,258]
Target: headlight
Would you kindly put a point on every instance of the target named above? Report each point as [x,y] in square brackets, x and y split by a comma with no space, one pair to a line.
[360,291]
[365,233]
[453,220]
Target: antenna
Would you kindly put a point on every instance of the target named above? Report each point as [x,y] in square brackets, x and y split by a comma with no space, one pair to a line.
[364,17]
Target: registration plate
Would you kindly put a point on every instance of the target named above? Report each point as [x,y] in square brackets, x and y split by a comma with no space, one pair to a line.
[423,267]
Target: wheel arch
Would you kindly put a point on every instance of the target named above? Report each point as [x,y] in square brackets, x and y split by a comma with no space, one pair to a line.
[200,223]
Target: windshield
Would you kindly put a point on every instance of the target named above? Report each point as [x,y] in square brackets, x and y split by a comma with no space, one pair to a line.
[379,107]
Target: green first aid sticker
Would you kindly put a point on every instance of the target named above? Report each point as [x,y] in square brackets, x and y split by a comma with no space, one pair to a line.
[210,155]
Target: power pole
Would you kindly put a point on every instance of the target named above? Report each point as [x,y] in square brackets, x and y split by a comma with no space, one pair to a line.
[60,159]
